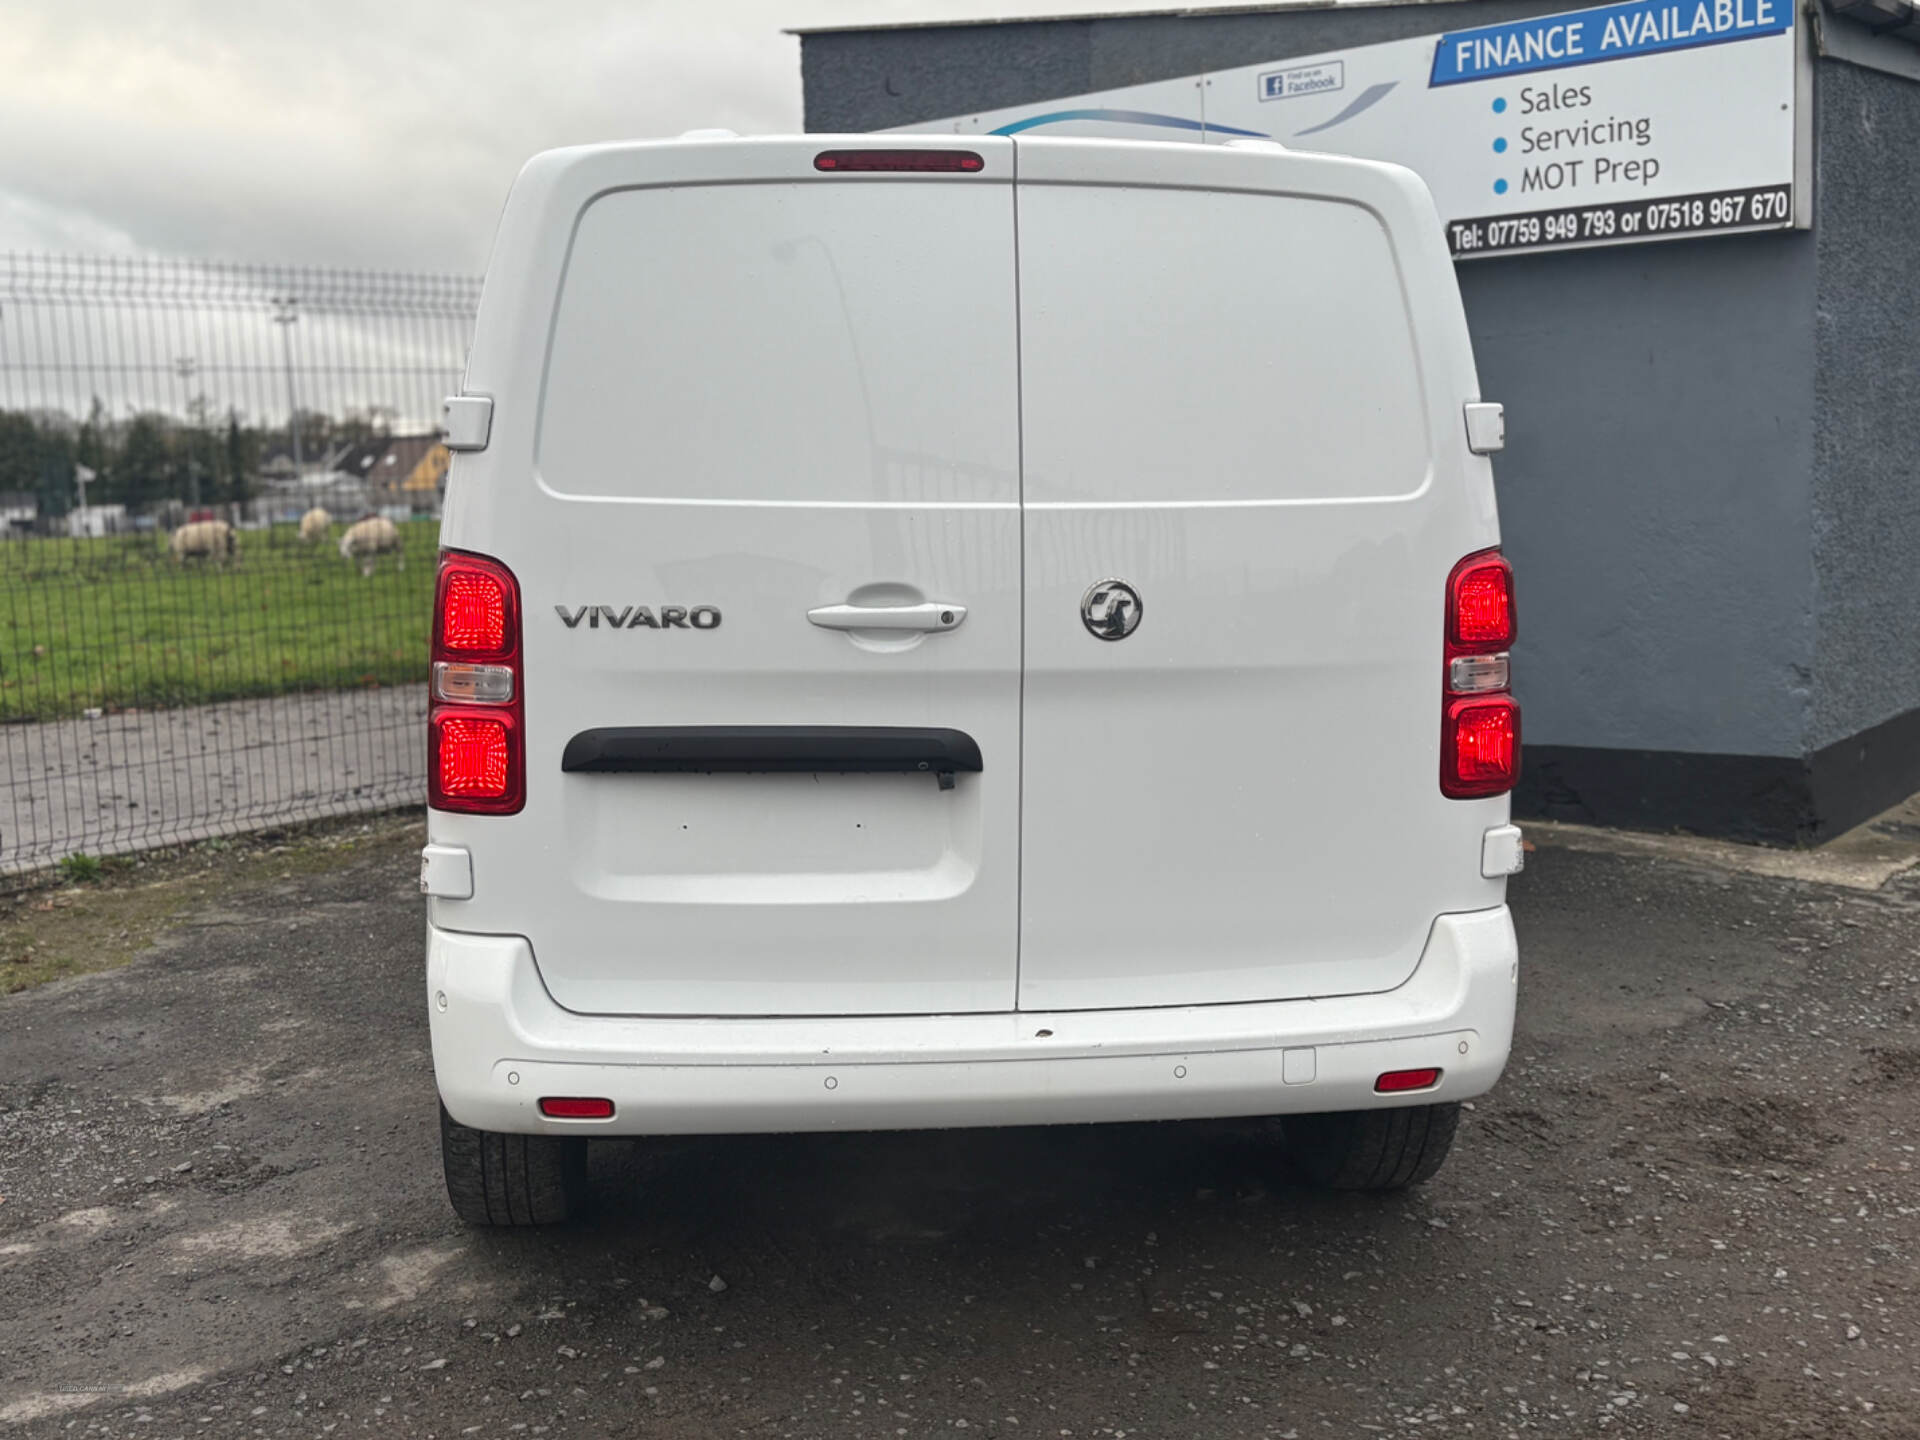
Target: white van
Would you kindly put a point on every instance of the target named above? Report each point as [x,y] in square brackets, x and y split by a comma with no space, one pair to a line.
[941,632]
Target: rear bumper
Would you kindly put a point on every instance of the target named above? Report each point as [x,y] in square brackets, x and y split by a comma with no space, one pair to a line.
[500,1043]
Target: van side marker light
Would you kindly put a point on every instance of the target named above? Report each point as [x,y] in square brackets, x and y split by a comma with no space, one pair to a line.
[928,162]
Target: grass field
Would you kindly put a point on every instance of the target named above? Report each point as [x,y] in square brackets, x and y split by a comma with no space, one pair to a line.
[117,623]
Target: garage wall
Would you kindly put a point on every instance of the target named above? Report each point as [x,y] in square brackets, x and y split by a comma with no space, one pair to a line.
[1865,720]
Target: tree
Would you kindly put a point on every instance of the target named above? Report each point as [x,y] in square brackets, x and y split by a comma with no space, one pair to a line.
[316,434]
[240,465]
[55,479]
[149,470]
[36,458]
[19,452]
[93,445]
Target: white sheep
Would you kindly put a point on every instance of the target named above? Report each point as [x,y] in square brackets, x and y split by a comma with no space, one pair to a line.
[369,539]
[202,540]
[315,524]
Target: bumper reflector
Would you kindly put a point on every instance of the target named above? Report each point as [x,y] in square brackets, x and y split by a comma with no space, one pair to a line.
[1395,1082]
[570,1107]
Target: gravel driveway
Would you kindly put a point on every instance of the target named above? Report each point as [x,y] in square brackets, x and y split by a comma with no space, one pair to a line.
[1690,1209]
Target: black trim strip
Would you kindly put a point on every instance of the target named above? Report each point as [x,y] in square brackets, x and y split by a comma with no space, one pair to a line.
[785,749]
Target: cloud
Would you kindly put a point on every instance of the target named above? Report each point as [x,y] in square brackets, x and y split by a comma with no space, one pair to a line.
[379,133]
[355,133]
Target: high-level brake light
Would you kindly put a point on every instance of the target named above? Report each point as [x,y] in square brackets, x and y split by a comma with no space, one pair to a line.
[921,162]
[476,753]
[1479,721]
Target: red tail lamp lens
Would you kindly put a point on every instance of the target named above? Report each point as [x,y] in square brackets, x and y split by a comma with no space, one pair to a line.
[471,757]
[926,162]
[473,612]
[567,1107]
[1480,747]
[474,609]
[1395,1082]
[1480,604]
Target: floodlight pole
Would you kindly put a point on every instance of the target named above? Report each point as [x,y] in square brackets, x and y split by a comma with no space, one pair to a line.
[185,367]
[286,314]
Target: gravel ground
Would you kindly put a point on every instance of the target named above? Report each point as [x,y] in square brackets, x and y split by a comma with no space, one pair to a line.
[123,782]
[1689,1209]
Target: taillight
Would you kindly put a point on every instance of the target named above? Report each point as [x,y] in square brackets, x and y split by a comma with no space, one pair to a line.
[474,611]
[1480,615]
[473,754]
[1479,721]
[476,751]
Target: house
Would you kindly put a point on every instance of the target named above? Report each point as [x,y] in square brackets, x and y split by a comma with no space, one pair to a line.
[410,470]
[18,510]
[404,470]
[94,521]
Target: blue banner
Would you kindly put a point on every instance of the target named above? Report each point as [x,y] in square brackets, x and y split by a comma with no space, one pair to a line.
[1612,32]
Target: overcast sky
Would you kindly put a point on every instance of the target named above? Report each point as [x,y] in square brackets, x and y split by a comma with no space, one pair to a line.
[367,132]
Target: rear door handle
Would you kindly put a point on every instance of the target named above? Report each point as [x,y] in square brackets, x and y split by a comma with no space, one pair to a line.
[931,616]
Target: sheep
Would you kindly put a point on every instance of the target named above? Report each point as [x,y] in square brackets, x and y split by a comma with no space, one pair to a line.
[369,539]
[314,525]
[202,540]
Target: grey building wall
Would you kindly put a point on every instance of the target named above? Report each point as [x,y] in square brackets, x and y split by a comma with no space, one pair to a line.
[1654,495]
[1866,469]
[1709,488]
[1866,531]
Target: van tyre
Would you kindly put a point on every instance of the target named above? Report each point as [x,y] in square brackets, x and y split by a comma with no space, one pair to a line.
[512,1179]
[1371,1149]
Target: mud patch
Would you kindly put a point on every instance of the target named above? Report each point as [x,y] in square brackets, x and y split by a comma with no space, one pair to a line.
[1517,1126]
[1740,1129]
[1896,1066]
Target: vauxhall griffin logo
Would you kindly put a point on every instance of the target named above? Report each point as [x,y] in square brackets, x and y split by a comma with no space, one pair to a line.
[639,617]
[1111,610]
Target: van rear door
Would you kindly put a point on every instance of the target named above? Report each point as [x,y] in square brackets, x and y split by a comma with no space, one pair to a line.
[1241,381]
[766,529]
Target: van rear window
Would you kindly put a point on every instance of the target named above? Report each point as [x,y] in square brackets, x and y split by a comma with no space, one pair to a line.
[1206,345]
[820,341]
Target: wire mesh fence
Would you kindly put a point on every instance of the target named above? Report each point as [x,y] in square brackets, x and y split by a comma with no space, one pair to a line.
[220,490]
